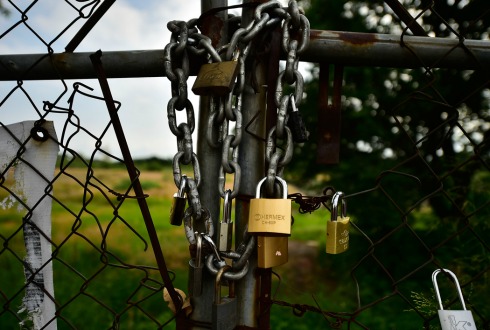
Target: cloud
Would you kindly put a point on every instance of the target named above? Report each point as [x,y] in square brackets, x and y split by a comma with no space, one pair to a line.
[127,25]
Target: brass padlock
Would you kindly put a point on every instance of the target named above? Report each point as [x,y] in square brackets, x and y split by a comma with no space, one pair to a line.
[216,79]
[178,203]
[272,251]
[270,216]
[338,226]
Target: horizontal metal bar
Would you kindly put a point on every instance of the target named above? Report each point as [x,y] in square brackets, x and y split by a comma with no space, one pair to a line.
[387,50]
[347,48]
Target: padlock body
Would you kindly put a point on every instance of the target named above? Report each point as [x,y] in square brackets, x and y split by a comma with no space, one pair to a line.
[194,283]
[216,79]
[225,235]
[298,127]
[338,235]
[270,216]
[224,314]
[177,210]
[272,251]
[456,319]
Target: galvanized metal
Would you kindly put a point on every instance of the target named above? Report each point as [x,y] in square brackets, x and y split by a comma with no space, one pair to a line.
[252,161]
[348,48]
[210,159]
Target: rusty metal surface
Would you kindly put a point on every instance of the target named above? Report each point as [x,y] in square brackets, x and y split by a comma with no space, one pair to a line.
[328,148]
[347,48]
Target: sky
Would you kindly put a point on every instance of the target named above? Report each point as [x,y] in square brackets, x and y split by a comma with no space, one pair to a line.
[128,25]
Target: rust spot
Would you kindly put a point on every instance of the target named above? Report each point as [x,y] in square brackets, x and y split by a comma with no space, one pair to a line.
[360,39]
[212,27]
[354,38]
[60,59]
[315,34]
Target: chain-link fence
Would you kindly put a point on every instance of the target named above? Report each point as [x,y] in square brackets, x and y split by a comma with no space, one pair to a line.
[76,229]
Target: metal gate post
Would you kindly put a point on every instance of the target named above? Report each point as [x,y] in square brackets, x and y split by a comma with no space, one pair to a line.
[209,159]
[251,159]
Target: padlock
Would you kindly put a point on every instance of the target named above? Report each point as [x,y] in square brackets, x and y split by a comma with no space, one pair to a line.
[270,216]
[178,203]
[216,79]
[214,250]
[272,251]
[453,319]
[338,227]
[225,229]
[296,124]
[195,270]
[224,313]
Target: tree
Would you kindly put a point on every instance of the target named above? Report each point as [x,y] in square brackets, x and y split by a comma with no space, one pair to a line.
[391,114]
[414,150]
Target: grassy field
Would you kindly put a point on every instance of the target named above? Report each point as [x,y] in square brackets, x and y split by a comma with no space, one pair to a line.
[104,268]
[99,244]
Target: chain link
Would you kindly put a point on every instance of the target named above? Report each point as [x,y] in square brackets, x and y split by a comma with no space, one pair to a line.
[225,127]
[295,39]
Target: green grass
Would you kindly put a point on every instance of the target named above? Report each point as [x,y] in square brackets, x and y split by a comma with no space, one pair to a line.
[93,289]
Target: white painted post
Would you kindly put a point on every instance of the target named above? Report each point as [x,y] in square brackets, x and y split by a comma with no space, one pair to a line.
[30,186]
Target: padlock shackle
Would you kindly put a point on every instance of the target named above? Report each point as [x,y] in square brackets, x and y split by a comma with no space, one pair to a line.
[182,185]
[335,205]
[198,249]
[436,287]
[213,246]
[227,207]
[293,102]
[281,181]
[217,283]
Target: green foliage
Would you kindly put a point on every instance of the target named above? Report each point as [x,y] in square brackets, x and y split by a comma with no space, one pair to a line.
[413,158]
[124,184]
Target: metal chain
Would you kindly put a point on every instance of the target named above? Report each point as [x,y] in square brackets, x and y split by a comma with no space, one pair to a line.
[225,120]
[295,39]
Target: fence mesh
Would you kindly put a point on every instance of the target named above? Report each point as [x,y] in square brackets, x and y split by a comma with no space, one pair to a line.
[436,189]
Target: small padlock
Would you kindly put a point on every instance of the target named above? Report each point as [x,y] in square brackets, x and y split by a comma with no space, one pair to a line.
[453,319]
[225,229]
[195,270]
[272,251]
[224,313]
[270,216]
[216,79]
[178,203]
[338,227]
[296,124]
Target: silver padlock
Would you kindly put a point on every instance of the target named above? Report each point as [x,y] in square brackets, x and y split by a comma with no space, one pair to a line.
[453,319]
[178,203]
[224,313]
[225,229]
[195,270]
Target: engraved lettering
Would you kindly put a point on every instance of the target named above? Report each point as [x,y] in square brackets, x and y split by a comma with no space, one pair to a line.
[268,217]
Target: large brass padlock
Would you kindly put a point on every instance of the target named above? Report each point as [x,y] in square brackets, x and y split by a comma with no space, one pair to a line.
[216,79]
[272,251]
[338,226]
[270,216]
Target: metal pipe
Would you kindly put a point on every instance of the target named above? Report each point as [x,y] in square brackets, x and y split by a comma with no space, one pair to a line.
[252,162]
[386,50]
[347,48]
[210,161]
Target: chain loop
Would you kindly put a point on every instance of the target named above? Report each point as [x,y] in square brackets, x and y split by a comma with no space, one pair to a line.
[225,120]
[231,276]
[177,171]
[172,117]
